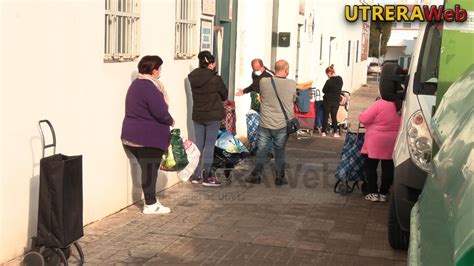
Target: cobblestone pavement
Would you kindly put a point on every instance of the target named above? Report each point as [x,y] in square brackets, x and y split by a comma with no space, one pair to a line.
[302,223]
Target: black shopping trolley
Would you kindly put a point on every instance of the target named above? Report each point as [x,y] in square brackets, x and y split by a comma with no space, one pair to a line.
[60,207]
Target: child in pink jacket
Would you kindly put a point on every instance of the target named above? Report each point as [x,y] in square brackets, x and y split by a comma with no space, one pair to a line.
[381,121]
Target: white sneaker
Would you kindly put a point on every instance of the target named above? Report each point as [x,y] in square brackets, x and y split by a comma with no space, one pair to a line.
[156,208]
[336,135]
[372,197]
[382,198]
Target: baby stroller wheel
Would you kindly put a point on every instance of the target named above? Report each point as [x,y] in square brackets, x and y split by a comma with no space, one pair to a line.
[227,174]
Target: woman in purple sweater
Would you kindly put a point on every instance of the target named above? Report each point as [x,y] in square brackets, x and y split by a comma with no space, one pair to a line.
[146,127]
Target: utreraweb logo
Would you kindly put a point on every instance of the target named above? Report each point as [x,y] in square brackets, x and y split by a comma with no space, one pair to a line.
[392,13]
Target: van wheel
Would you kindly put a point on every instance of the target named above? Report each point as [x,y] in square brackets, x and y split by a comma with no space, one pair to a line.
[397,238]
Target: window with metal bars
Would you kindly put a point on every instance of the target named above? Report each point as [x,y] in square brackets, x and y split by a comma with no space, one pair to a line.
[122,30]
[185,46]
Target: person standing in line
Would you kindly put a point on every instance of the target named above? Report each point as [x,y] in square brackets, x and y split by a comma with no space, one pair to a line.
[332,95]
[208,91]
[259,72]
[273,125]
[146,127]
[382,122]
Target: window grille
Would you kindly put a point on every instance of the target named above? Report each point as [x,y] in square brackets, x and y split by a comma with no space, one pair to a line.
[349,53]
[185,29]
[122,30]
[357,52]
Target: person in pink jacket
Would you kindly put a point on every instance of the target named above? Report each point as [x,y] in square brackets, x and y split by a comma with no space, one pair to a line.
[381,121]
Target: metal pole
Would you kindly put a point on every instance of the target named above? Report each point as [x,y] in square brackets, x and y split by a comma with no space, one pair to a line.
[380,44]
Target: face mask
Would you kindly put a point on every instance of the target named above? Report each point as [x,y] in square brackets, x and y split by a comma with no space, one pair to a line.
[257,73]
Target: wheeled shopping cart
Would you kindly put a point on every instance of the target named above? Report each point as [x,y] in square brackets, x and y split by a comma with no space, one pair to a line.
[306,121]
[60,208]
[351,165]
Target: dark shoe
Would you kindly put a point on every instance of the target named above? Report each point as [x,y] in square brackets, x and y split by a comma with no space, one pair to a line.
[196,179]
[281,181]
[253,179]
[211,181]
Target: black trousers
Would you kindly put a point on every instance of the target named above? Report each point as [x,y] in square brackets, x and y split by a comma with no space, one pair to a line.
[370,168]
[149,160]
[330,107]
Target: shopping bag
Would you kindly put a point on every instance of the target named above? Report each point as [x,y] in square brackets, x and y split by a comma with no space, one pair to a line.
[60,201]
[175,158]
[351,165]
[318,107]
[229,143]
[193,154]
[253,121]
[168,162]
[228,123]
[255,101]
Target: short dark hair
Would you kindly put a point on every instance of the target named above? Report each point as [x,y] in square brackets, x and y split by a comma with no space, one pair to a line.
[148,63]
[205,59]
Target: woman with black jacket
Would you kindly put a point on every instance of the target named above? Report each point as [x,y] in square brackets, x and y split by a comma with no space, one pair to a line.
[209,91]
[332,95]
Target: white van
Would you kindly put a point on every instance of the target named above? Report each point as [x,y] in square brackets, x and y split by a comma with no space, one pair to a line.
[412,154]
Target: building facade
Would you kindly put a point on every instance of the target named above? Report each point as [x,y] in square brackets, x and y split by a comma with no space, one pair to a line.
[72,62]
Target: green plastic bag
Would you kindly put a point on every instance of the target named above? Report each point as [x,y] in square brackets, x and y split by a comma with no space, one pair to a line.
[255,103]
[175,159]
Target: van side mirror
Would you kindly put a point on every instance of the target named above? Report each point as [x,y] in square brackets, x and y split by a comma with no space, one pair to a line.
[391,79]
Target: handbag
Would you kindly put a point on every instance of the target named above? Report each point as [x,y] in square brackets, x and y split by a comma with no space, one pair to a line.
[292,125]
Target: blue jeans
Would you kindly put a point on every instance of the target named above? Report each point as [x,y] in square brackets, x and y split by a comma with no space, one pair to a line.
[206,135]
[268,138]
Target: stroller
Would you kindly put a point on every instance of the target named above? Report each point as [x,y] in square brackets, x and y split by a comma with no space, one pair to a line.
[228,152]
[343,112]
[351,165]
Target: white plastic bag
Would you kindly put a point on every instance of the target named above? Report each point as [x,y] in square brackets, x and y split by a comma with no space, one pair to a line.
[193,157]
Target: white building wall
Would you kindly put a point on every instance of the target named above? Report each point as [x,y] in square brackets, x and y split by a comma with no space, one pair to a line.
[254,38]
[330,22]
[52,68]
[394,52]
[2,185]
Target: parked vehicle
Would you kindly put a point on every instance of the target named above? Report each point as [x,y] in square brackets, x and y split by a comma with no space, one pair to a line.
[431,73]
[412,154]
[373,68]
[442,221]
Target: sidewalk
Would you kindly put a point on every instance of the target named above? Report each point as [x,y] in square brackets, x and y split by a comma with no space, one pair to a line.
[304,222]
